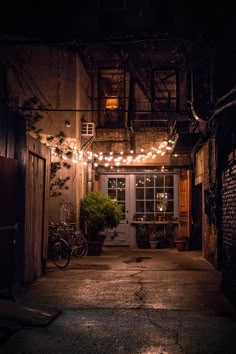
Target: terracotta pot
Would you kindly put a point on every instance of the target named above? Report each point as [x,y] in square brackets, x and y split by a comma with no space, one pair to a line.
[95,247]
[181,244]
[153,244]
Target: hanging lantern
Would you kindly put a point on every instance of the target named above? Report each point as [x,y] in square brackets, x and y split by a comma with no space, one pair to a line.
[112,103]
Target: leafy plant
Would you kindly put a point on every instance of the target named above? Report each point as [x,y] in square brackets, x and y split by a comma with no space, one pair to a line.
[153,236]
[141,232]
[31,110]
[97,213]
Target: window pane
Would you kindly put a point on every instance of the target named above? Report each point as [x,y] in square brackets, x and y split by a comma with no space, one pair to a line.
[149,181]
[170,206]
[159,193]
[140,193]
[159,181]
[139,181]
[170,193]
[111,182]
[169,181]
[160,201]
[150,193]
[139,207]
[120,182]
[112,193]
[149,207]
[120,194]
[123,209]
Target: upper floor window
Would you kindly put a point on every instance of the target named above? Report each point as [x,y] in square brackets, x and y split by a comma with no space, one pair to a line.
[165,90]
[110,96]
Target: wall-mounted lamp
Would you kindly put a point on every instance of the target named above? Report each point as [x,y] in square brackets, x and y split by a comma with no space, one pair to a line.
[67,123]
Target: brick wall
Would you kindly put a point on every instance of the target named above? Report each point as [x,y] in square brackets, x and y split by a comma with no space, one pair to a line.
[229,217]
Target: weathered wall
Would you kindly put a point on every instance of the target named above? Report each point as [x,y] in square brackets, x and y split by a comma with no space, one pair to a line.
[205,163]
[58,79]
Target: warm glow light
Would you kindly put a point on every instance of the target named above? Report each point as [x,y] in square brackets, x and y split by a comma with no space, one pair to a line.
[112,103]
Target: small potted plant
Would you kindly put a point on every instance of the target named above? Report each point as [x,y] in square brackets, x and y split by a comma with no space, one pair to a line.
[98,212]
[142,236]
[153,239]
[181,243]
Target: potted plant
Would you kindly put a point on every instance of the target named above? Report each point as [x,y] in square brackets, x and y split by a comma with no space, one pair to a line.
[153,239]
[163,239]
[98,212]
[181,243]
[142,236]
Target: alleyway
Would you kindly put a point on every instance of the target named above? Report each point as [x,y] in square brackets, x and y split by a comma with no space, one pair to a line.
[129,301]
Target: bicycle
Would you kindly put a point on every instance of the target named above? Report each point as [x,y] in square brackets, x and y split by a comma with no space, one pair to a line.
[75,239]
[58,249]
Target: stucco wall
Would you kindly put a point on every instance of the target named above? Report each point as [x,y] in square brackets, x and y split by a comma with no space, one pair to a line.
[58,79]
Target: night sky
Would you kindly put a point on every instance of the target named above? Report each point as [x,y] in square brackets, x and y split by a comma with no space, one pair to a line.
[213,21]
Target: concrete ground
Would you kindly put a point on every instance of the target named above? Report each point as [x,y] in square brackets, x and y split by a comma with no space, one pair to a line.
[128,301]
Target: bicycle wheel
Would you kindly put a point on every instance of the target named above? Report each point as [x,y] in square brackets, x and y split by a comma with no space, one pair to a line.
[60,253]
[80,246]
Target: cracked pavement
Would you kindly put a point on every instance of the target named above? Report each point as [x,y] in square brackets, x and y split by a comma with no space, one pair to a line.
[130,301]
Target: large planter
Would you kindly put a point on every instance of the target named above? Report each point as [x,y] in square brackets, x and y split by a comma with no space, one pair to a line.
[153,244]
[142,243]
[95,246]
[181,244]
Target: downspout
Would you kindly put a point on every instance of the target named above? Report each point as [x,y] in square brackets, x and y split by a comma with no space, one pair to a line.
[90,178]
[79,179]
[202,123]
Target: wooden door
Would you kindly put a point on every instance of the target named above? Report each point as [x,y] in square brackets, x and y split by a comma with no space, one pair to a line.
[184,204]
[36,209]
[34,241]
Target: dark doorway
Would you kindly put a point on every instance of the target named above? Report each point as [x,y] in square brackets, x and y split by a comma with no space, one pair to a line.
[8,168]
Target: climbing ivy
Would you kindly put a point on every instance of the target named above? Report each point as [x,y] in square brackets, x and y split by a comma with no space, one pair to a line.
[31,110]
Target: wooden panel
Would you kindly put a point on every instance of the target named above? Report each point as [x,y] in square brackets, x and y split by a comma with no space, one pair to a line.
[184,204]
[34,243]
[8,171]
[36,218]
[3,131]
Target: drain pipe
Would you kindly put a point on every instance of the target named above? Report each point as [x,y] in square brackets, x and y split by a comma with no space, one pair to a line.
[90,179]
[202,123]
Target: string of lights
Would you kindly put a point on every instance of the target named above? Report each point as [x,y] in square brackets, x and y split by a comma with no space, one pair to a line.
[111,159]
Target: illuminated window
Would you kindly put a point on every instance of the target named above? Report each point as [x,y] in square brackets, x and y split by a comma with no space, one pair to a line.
[110,96]
[155,196]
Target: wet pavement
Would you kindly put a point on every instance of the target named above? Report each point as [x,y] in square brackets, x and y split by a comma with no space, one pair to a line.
[129,301]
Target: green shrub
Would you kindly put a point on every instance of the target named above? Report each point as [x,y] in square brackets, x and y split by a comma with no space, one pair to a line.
[97,213]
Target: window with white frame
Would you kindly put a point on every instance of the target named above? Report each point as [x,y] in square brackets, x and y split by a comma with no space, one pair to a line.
[155,197]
